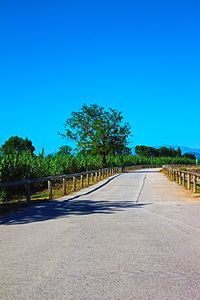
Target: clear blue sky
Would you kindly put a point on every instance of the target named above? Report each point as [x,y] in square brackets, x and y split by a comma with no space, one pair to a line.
[141,57]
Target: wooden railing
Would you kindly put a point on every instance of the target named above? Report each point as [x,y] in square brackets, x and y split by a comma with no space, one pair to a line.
[189,180]
[91,177]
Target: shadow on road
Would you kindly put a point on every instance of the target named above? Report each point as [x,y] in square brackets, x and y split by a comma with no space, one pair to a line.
[62,209]
[94,189]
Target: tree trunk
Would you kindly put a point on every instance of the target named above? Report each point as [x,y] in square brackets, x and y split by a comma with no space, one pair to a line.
[104,162]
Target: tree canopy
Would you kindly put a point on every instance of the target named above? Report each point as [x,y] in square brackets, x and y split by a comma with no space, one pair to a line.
[189,155]
[97,130]
[65,150]
[16,145]
[160,152]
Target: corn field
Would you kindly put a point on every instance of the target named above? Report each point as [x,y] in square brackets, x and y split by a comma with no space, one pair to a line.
[25,165]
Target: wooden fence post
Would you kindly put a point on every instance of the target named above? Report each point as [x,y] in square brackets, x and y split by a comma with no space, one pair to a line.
[194,183]
[28,193]
[177,176]
[74,183]
[183,179]
[92,178]
[167,172]
[87,179]
[50,192]
[96,177]
[180,178]
[188,182]
[64,187]
[81,181]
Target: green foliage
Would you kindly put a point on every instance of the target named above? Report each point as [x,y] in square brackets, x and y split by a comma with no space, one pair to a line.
[146,151]
[161,152]
[67,150]
[4,196]
[98,131]
[189,155]
[19,166]
[15,167]
[16,145]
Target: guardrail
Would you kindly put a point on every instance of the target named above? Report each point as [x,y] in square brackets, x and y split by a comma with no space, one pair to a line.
[189,180]
[91,176]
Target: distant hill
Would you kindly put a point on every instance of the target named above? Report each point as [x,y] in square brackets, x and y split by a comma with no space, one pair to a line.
[196,152]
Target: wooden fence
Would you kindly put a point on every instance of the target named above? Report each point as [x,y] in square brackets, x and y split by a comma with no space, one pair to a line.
[188,180]
[91,177]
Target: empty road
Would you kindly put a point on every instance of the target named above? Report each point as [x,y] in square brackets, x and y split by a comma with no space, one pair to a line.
[135,237]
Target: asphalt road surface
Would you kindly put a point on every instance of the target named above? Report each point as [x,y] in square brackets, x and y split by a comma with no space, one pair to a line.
[135,237]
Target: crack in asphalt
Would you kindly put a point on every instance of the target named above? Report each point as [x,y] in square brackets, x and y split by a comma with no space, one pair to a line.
[141,188]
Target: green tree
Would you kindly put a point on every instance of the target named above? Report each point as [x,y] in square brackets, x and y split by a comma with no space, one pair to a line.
[146,151]
[189,155]
[179,152]
[17,145]
[65,150]
[98,131]
[164,151]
